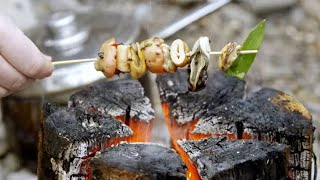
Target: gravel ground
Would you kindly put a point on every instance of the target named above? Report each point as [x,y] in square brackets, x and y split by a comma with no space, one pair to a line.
[289,59]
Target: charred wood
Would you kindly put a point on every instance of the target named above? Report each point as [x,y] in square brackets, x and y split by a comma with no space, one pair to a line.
[123,99]
[186,106]
[71,136]
[138,161]
[267,115]
[218,159]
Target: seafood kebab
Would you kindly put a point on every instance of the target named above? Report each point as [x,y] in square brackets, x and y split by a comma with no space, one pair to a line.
[157,57]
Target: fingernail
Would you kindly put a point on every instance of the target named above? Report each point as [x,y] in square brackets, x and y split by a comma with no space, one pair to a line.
[49,64]
[49,58]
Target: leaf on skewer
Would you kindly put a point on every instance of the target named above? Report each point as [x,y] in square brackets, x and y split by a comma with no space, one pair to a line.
[242,64]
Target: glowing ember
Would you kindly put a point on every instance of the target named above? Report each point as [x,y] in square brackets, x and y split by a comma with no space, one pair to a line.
[141,129]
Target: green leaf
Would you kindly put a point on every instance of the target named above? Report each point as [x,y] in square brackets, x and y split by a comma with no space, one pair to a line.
[242,64]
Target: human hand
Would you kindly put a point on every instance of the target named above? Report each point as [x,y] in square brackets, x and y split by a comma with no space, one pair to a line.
[21,62]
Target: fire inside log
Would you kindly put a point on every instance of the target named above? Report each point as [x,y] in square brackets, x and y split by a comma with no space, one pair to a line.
[124,100]
[182,108]
[138,161]
[268,115]
[216,159]
[71,136]
[110,112]
[97,117]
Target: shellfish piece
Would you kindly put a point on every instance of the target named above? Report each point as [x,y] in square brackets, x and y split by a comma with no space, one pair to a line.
[168,64]
[107,62]
[228,56]
[122,58]
[178,53]
[200,56]
[137,61]
[153,54]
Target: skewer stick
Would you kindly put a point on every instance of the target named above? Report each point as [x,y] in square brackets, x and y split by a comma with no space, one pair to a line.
[240,52]
[76,61]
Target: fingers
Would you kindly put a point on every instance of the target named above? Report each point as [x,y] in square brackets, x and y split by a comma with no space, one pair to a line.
[11,79]
[21,53]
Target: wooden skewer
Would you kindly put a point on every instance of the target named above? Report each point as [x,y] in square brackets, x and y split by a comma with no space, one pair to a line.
[239,52]
[76,61]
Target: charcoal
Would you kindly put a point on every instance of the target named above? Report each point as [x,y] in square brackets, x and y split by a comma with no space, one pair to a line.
[121,98]
[218,159]
[69,136]
[267,115]
[124,100]
[186,106]
[138,161]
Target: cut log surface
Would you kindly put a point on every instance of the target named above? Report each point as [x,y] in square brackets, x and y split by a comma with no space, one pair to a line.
[267,115]
[138,161]
[69,126]
[124,97]
[71,135]
[218,159]
[186,106]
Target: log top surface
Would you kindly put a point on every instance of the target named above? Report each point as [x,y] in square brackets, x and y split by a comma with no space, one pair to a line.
[258,111]
[149,158]
[186,106]
[78,126]
[215,155]
[117,98]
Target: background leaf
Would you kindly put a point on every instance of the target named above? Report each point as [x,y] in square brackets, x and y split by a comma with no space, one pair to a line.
[242,64]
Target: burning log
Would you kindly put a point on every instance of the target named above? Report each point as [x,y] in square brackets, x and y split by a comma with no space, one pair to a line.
[97,117]
[182,108]
[124,100]
[268,115]
[70,137]
[138,161]
[216,158]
